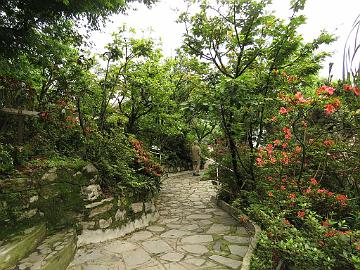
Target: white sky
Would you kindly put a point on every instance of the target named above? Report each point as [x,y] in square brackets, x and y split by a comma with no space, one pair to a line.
[335,16]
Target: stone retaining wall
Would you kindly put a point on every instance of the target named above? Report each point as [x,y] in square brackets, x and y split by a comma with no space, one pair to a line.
[63,197]
[250,226]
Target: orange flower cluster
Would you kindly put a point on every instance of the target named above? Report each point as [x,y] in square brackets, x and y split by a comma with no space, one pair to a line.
[143,159]
[355,90]
[287,132]
[327,90]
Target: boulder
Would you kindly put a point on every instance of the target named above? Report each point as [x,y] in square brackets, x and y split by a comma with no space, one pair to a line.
[92,192]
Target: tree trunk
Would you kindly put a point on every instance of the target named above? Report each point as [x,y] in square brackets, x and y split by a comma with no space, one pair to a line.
[232,147]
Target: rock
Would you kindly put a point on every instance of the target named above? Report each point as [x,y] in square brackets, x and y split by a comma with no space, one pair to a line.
[90,169]
[174,234]
[29,214]
[172,257]
[120,215]
[88,225]
[205,222]
[217,246]
[95,204]
[155,228]
[140,236]
[199,216]
[156,246]
[77,174]
[103,223]
[226,261]
[34,199]
[218,229]
[190,227]
[137,207]
[119,247]
[100,210]
[196,249]
[238,250]
[195,239]
[149,207]
[195,261]
[92,192]
[134,258]
[50,176]
[237,239]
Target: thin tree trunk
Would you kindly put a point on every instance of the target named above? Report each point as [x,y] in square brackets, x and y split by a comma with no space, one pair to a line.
[233,150]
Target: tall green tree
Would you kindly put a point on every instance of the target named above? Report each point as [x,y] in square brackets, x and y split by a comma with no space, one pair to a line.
[19,19]
[247,45]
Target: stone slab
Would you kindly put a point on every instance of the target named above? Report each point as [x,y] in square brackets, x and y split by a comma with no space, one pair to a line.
[196,239]
[156,246]
[234,264]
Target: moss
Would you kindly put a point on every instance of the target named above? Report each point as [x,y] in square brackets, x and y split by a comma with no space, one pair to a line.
[63,257]
[61,204]
[59,162]
[106,215]
[20,245]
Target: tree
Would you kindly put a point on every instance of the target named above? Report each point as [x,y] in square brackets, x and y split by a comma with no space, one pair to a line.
[19,19]
[247,45]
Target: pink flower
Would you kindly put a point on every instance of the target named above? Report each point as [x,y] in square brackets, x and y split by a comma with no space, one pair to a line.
[330,90]
[313,181]
[283,111]
[270,194]
[292,196]
[282,187]
[329,143]
[273,119]
[347,87]
[287,132]
[356,91]
[308,190]
[329,109]
[341,197]
[300,214]
[300,97]
[336,103]
[330,233]
[285,160]
[277,142]
[260,162]
[325,223]
[286,222]
[269,149]
[272,160]
[325,89]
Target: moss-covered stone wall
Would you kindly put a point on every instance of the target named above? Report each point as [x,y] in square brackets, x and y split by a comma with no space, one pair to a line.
[64,197]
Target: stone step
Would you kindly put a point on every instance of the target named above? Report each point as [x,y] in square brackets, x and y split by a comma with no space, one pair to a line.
[54,253]
[17,246]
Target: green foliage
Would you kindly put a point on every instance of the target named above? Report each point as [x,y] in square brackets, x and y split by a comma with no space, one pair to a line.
[21,18]
[247,46]
[74,163]
[6,161]
[112,155]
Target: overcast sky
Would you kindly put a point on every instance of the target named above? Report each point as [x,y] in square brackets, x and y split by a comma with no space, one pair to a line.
[335,16]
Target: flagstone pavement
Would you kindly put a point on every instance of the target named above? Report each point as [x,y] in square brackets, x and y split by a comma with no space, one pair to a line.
[191,233]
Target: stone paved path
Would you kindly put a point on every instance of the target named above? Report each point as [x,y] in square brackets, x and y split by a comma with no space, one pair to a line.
[191,233]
